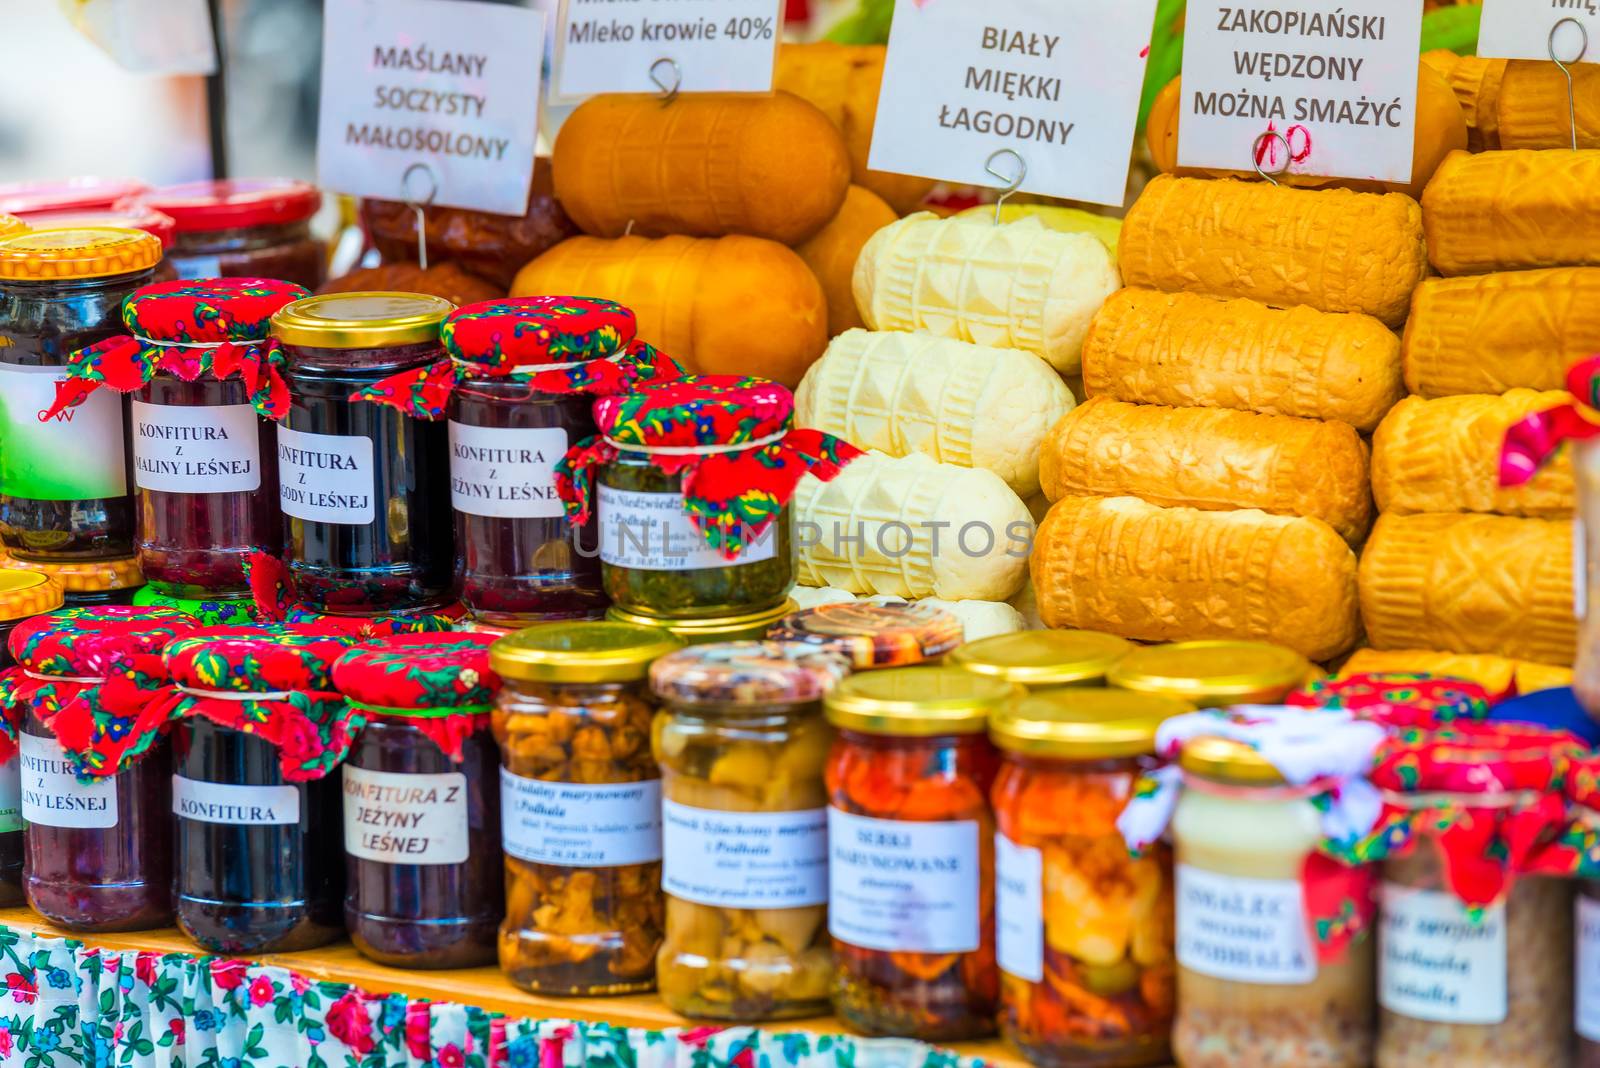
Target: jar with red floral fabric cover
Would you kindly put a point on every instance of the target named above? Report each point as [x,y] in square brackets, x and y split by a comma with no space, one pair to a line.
[81,705]
[517,388]
[425,883]
[206,380]
[258,731]
[695,475]
[23,595]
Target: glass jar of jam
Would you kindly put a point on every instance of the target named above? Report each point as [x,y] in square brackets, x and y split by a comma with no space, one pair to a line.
[873,635]
[362,486]
[742,744]
[580,807]
[1086,944]
[1213,674]
[65,481]
[243,228]
[911,856]
[96,805]
[711,630]
[259,834]
[1043,659]
[23,595]
[430,895]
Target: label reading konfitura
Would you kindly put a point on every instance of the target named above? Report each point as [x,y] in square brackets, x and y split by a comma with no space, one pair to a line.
[52,796]
[505,473]
[745,860]
[405,819]
[1244,930]
[326,478]
[235,805]
[1436,963]
[201,449]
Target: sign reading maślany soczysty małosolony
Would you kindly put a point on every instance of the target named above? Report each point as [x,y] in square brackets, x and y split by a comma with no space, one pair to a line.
[1057,82]
[1335,79]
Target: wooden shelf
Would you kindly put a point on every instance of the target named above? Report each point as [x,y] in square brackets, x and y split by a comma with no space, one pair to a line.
[484,987]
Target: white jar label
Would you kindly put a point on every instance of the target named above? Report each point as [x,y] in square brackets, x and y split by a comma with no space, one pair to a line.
[580,825]
[183,449]
[52,796]
[505,473]
[1588,968]
[76,455]
[405,819]
[238,806]
[902,886]
[745,860]
[11,795]
[1019,909]
[1435,964]
[1244,930]
[326,478]
[650,532]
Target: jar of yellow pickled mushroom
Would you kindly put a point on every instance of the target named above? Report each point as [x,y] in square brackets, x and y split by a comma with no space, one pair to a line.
[1213,674]
[742,743]
[1085,927]
[911,852]
[1252,990]
[1041,659]
[580,807]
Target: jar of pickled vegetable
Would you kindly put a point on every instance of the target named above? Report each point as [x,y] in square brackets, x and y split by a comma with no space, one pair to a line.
[872,635]
[361,485]
[96,765]
[425,887]
[1085,927]
[580,806]
[1213,674]
[66,479]
[259,839]
[742,745]
[23,595]
[243,228]
[1043,659]
[911,854]
[710,630]
[695,475]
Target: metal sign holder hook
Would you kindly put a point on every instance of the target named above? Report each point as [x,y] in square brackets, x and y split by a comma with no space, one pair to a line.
[1255,155]
[669,90]
[418,203]
[1566,69]
[1012,182]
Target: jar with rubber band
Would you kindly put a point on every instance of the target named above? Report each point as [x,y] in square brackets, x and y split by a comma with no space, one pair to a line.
[425,886]
[242,228]
[66,479]
[1044,659]
[1213,674]
[874,636]
[23,595]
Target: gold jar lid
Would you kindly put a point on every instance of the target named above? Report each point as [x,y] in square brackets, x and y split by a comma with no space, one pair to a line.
[581,652]
[1084,723]
[1227,761]
[741,627]
[1213,673]
[77,252]
[87,576]
[361,320]
[1044,657]
[27,593]
[918,702]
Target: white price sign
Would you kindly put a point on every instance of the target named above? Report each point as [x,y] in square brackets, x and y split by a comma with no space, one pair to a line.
[1056,82]
[1323,87]
[652,46]
[430,100]
[1567,30]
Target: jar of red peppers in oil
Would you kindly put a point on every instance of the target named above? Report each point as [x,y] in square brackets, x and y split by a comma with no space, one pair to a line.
[911,852]
[1085,927]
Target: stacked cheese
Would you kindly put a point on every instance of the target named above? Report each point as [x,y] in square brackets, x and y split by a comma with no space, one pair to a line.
[1456,563]
[1216,482]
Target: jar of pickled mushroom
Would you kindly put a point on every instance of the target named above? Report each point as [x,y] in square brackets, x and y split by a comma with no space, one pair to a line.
[872,635]
[361,485]
[710,630]
[242,228]
[911,852]
[209,611]
[66,479]
[1475,950]
[694,477]
[580,807]
[742,744]
[96,765]
[518,389]
[1085,926]
[425,887]
[259,729]
[1212,674]
[23,595]
[1043,659]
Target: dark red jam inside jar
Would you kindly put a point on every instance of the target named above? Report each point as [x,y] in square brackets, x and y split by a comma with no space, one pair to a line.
[519,559]
[243,228]
[206,468]
[362,486]
[66,483]
[23,595]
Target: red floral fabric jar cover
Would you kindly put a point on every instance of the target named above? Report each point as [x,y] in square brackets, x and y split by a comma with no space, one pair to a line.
[732,438]
[91,676]
[1399,699]
[215,326]
[269,680]
[558,345]
[439,683]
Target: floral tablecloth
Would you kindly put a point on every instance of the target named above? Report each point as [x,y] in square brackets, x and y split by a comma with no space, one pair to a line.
[63,1003]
